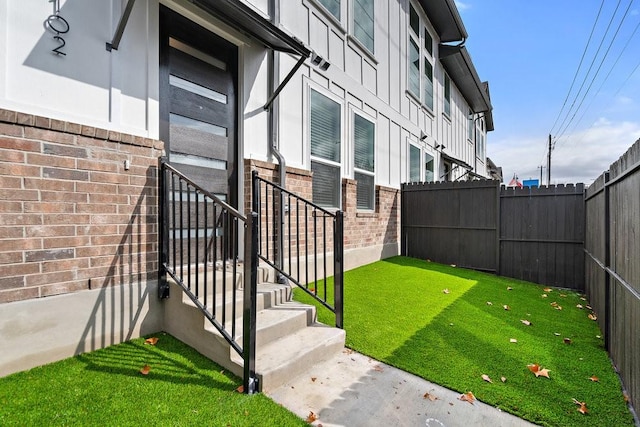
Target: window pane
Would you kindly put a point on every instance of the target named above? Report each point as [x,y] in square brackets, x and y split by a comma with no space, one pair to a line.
[414,68]
[365,191]
[428,42]
[333,6]
[427,84]
[363,135]
[326,185]
[447,95]
[414,164]
[363,22]
[414,20]
[325,127]
[428,169]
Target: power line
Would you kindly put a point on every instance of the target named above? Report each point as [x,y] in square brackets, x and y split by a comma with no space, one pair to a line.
[584,52]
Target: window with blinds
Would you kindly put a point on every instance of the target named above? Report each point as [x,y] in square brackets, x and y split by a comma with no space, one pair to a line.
[364,161]
[325,136]
[333,6]
[363,23]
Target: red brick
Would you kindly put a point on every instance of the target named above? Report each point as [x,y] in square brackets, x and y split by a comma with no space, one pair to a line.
[43,279]
[19,244]
[25,119]
[54,161]
[19,144]
[18,269]
[110,219]
[12,156]
[115,136]
[48,135]
[58,125]
[96,165]
[58,219]
[10,182]
[49,184]
[108,177]
[20,170]
[102,133]
[93,187]
[88,131]
[18,294]
[71,174]
[107,240]
[109,156]
[60,196]
[43,122]
[21,219]
[66,242]
[96,272]
[8,115]
[72,128]
[98,209]
[10,207]
[63,288]
[11,282]
[76,264]
[115,199]
[50,231]
[48,207]
[49,255]
[95,230]
[93,251]
[10,257]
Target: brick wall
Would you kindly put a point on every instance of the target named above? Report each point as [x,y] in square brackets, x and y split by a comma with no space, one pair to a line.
[71,216]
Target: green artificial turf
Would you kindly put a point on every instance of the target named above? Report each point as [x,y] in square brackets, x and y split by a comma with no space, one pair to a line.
[395,311]
[106,388]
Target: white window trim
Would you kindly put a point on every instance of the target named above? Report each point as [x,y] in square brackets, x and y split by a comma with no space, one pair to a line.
[352,146]
[410,144]
[424,25]
[428,150]
[311,85]
[338,24]
[353,40]
[446,77]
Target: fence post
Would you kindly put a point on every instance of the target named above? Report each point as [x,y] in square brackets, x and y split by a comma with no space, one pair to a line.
[498,225]
[250,381]
[163,229]
[607,264]
[338,268]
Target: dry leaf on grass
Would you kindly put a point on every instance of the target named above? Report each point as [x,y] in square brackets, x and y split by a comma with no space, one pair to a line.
[151,341]
[240,389]
[567,340]
[538,371]
[145,370]
[503,379]
[594,378]
[556,334]
[489,303]
[579,306]
[506,307]
[583,406]
[445,291]
[486,378]
[509,288]
[513,340]
[547,289]
[311,417]
[592,316]
[544,295]
[467,397]
[526,322]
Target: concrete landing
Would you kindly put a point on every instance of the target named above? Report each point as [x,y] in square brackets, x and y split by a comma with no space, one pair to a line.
[353,390]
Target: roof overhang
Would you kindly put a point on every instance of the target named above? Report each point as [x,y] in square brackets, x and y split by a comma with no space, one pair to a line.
[245,19]
[444,16]
[456,161]
[488,115]
[457,62]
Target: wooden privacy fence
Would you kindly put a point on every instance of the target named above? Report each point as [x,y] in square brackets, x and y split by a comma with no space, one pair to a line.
[612,261]
[534,234]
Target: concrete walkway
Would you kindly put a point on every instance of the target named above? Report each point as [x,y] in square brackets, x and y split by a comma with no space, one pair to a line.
[353,390]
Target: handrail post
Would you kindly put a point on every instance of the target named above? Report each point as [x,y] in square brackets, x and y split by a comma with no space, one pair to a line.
[250,381]
[163,229]
[338,268]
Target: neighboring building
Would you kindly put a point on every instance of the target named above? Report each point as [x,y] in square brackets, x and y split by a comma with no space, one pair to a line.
[493,171]
[370,94]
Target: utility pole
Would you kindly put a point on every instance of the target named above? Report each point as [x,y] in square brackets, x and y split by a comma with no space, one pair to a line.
[541,169]
[549,163]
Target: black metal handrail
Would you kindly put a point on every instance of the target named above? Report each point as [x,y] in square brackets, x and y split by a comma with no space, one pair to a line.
[201,238]
[313,237]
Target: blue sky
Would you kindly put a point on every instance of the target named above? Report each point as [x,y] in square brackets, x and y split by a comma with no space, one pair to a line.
[529,52]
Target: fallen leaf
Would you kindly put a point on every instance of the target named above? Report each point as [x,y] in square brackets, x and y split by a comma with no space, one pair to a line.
[467,397]
[594,378]
[558,307]
[526,322]
[503,379]
[513,340]
[563,296]
[547,289]
[588,307]
[626,397]
[453,265]
[538,371]
[378,368]
[592,316]
[429,396]
[313,379]
[509,288]
[486,378]
[145,370]
[583,298]
[554,304]
[544,295]
[240,389]
[151,341]
[347,351]
[489,303]
[556,334]
[311,417]
[567,340]
[579,306]
[445,291]
[506,307]
[598,336]
[583,406]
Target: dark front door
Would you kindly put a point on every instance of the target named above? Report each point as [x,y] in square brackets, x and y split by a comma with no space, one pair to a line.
[198,104]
